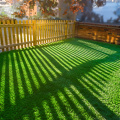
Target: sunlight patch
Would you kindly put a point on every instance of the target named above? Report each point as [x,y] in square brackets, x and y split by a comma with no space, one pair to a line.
[25,73]
[56,105]
[36,113]
[18,77]
[47,110]
[87,104]
[26,117]
[11,83]
[2,88]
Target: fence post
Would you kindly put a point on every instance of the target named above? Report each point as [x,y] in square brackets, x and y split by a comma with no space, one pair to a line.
[34,32]
[66,27]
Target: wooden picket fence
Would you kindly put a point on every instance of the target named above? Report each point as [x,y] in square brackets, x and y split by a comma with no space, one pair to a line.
[16,35]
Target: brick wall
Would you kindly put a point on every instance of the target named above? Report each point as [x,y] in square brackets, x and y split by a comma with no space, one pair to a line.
[100,32]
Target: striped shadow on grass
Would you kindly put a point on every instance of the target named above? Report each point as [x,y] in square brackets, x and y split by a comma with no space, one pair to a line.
[72,79]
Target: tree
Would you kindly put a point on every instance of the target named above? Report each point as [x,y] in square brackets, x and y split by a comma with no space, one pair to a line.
[47,6]
[75,5]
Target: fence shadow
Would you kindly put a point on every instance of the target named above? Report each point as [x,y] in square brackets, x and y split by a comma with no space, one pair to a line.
[63,81]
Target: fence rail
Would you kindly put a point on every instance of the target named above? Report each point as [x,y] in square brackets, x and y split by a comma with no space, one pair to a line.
[16,35]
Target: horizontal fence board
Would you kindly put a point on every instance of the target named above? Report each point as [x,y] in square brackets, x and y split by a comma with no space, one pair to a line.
[52,37]
[13,45]
[15,25]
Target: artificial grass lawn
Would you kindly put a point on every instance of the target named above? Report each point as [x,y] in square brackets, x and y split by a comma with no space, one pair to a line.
[72,79]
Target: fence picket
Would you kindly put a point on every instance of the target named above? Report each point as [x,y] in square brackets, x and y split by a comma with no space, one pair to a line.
[58,29]
[27,30]
[13,33]
[55,31]
[34,32]
[9,34]
[17,34]
[52,31]
[49,28]
[62,28]
[24,33]
[43,31]
[37,33]
[21,39]
[30,32]
[1,37]
[73,29]
[66,29]
[47,31]
[5,35]
[70,28]
[40,30]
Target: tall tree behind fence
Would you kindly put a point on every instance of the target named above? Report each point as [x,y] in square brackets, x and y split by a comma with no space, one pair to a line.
[16,35]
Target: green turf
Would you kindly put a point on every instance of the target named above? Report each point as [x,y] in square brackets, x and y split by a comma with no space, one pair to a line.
[72,79]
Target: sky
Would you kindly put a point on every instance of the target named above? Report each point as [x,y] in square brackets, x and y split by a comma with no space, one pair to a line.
[107,11]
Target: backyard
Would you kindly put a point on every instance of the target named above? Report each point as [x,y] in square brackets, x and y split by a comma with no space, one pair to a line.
[69,79]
